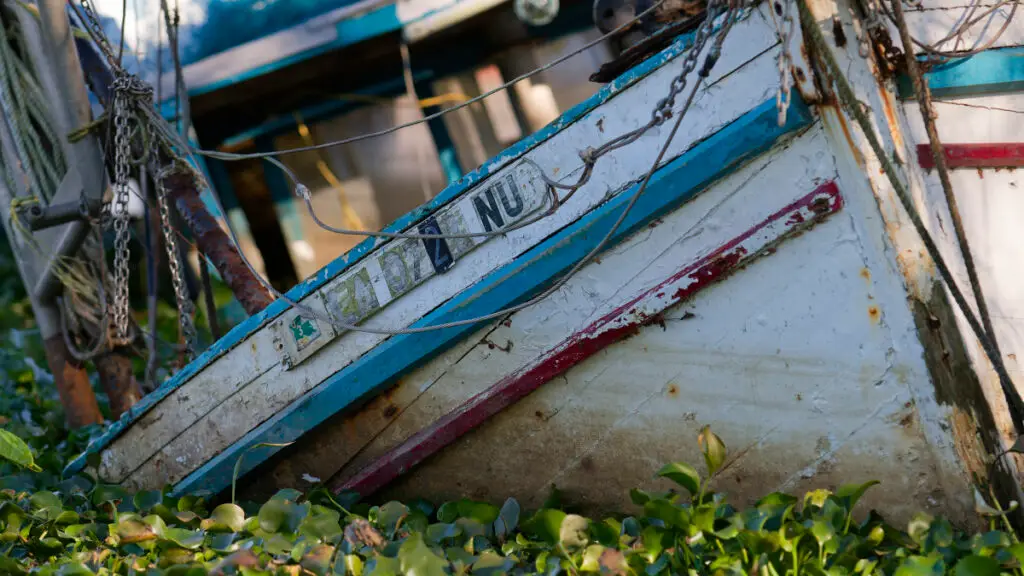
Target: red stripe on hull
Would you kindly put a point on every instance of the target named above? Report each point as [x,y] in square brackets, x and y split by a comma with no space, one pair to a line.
[624,321]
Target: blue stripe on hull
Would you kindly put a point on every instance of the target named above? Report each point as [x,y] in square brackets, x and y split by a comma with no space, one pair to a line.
[680,180]
[251,325]
[989,72]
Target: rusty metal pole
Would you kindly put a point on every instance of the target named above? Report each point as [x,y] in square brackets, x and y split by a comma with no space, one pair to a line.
[215,243]
[72,382]
[118,379]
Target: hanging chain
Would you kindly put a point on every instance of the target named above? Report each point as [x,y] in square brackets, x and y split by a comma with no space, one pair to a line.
[97,33]
[129,92]
[785,25]
[185,307]
[121,217]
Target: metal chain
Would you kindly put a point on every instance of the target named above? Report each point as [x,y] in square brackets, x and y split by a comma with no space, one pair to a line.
[129,93]
[120,218]
[785,25]
[185,307]
[92,20]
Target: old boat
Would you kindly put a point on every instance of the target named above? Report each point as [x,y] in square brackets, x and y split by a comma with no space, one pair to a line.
[767,282]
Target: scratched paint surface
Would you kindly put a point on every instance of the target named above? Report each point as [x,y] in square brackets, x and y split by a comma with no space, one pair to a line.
[765,357]
[935,19]
[227,413]
[985,198]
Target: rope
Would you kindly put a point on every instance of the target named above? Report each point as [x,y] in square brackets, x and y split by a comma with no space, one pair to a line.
[853,106]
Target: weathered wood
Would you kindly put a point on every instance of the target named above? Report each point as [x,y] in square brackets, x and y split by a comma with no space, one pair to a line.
[624,321]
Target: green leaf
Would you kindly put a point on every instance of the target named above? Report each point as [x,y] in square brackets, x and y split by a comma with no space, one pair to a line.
[823,531]
[417,559]
[318,559]
[14,449]
[132,530]
[438,533]
[977,566]
[390,515]
[108,493]
[147,500]
[639,497]
[226,517]
[491,564]
[920,566]
[353,565]
[713,449]
[323,524]
[573,531]
[682,474]
[545,525]
[592,558]
[653,540]
[280,515]
[508,519]
[605,533]
[850,494]
[189,539]
[919,526]
[45,499]
[9,565]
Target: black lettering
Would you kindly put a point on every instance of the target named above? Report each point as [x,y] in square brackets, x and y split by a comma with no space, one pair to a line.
[511,209]
[488,211]
[437,248]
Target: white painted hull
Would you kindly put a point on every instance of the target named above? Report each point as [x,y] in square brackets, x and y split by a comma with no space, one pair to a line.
[808,352]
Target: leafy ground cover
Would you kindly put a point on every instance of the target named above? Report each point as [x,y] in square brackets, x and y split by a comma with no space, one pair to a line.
[52,525]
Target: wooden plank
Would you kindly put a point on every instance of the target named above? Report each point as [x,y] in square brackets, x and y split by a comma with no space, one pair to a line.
[1002,155]
[554,149]
[683,178]
[621,323]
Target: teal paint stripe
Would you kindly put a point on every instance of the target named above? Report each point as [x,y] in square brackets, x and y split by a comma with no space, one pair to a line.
[672,185]
[242,331]
[351,31]
[989,72]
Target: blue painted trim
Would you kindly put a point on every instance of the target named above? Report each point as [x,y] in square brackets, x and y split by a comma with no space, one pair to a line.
[672,185]
[351,31]
[988,72]
[242,331]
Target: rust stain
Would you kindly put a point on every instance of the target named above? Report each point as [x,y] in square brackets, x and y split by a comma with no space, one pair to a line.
[1012,357]
[846,134]
[890,118]
[672,390]
[865,274]
[874,313]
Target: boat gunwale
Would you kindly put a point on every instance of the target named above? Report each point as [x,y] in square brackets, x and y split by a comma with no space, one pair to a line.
[253,324]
